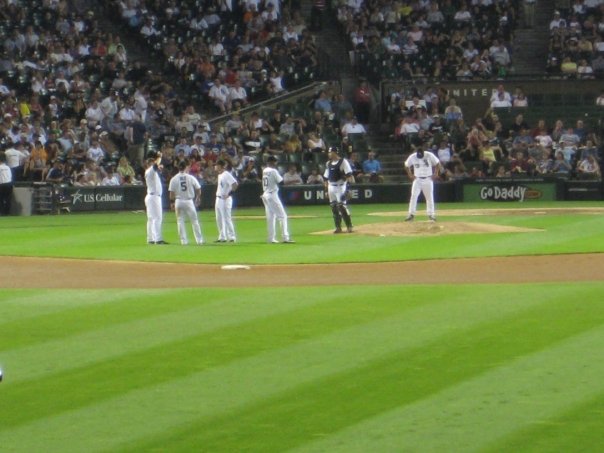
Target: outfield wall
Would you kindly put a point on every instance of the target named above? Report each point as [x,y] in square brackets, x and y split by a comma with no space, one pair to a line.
[131,198]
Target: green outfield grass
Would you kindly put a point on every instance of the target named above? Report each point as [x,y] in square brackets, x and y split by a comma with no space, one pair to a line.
[414,368]
[350,369]
[122,236]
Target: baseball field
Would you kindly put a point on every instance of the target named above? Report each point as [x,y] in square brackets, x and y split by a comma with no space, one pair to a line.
[483,331]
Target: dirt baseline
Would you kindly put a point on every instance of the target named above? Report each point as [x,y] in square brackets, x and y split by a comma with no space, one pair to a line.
[91,274]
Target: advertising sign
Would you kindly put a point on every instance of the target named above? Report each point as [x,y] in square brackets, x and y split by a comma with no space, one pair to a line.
[509,190]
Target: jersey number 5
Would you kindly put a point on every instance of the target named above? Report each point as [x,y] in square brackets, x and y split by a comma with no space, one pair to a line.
[183,184]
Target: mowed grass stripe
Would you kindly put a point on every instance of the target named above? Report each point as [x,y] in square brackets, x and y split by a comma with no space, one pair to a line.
[478,412]
[328,405]
[27,304]
[123,338]
[34,319]
[578,428]
[220,390]
[183,357]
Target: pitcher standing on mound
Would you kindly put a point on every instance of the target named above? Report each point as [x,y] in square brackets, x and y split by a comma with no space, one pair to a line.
[425,167]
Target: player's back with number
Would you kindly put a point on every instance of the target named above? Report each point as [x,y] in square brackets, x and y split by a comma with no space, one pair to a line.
[270,180]
[183,185]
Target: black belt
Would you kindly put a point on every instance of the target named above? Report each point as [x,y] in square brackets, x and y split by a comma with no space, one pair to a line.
[423,177]
[153,194]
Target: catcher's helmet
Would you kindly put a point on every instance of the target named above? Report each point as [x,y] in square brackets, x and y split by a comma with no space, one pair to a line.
[334,149]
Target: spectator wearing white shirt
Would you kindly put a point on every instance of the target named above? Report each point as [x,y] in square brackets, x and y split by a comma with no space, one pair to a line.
[276,82]
[292,177]
[219,94]
[501,102]
[501,89]
[111,178]
[463,15]
[16,157]
[148,30]
[353,127]
[238,94]
[557,22]
[94,114]
[95,153]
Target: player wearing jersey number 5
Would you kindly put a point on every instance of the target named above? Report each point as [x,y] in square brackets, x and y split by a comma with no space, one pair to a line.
[226,185]
[425,166]
[185,195]
[272,204]
[338,174]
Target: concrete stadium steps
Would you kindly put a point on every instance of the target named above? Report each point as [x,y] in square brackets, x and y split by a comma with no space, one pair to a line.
[531,44]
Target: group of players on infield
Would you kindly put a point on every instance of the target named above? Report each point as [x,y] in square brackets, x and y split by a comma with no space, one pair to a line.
[185,196]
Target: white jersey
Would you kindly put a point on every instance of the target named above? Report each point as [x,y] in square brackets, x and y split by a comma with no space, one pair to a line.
[153,181]
[225,184]
[422,168]
[270,180]
[184,185]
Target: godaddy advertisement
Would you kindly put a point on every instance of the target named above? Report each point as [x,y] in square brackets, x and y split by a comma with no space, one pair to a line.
[509,191]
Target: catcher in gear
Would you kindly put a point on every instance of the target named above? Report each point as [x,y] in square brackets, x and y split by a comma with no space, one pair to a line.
[338,174]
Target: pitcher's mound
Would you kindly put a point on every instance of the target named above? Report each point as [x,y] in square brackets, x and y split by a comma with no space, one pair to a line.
[420,228]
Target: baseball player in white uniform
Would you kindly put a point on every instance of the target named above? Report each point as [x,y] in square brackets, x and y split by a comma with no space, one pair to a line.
[226,185]
[338,173]
[185,194]
[272,204]
[153,200]
[425,167]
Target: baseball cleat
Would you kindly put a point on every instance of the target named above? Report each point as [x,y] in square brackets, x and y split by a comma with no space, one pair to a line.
[432,218]
[220,240]
[337,231]
[289,241]
[273,241]
[162,242]
[349,230]
[151,242]
[410,218]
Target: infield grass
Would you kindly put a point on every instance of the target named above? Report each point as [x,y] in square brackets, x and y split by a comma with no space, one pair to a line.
[122,236]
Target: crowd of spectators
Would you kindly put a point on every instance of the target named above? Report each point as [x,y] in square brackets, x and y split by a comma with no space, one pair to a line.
[75,109]
[486,147]
[71,100]
[437,39]
[226,53]
[576,45]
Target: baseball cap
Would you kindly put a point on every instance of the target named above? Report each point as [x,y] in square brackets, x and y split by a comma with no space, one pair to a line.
[271,159]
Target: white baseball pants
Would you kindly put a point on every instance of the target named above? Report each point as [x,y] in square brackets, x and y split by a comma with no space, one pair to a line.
[185,209]
[154,218]
[275,212]
[224,221]
[424,185]
[336,192]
